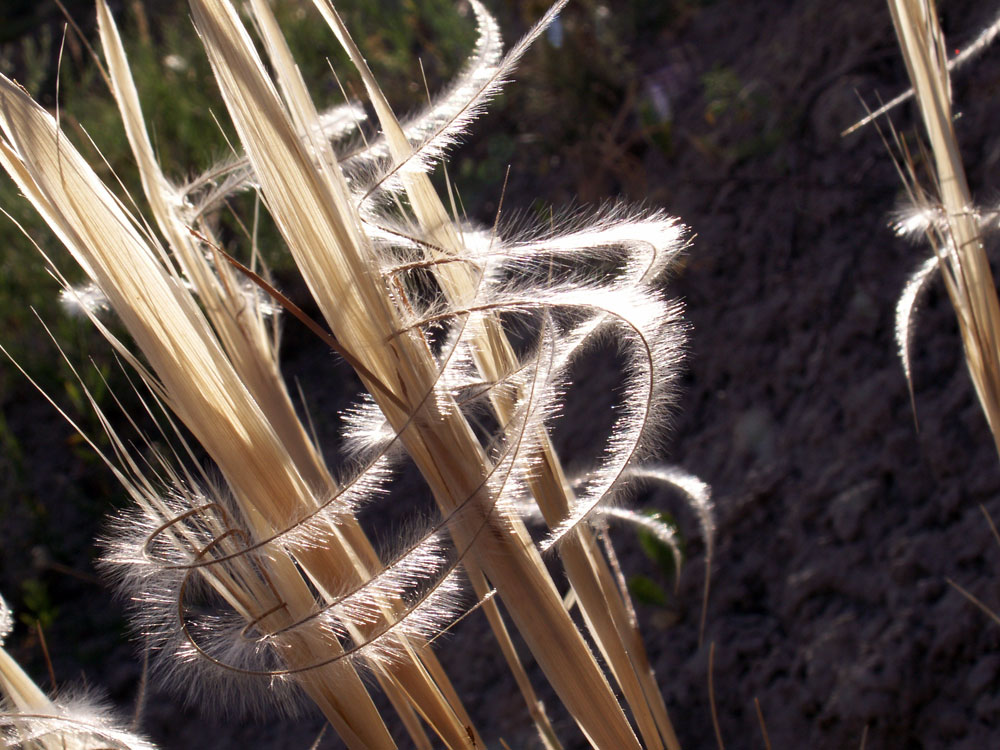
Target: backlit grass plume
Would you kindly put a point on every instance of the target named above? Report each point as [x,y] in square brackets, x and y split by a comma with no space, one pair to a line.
[260,578]
[945,213]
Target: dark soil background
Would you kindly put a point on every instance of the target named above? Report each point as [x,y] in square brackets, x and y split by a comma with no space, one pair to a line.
[839,524]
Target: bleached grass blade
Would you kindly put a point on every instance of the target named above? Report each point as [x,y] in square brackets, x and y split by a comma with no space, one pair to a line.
[986,609]
[307,199]
[450,113]
[288,585]
[574,690]
[193,375]
[966,269]
[270,391]
[493,357]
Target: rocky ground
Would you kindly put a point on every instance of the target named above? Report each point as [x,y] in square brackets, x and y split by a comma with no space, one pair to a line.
[840,525]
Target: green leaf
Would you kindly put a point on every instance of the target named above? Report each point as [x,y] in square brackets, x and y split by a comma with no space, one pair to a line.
[647,591]
[656,550]
[38,604]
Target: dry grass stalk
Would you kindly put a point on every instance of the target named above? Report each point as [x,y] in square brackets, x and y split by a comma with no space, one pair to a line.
[604,610]
[957,235]
[301,596]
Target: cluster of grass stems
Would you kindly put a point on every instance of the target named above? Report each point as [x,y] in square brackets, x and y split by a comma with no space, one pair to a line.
[257,574]
[946,216]
[944,212]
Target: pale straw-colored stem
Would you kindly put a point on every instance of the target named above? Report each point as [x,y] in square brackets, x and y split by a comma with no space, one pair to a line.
[308,197]
[601,601]
[965,266]
[345,556]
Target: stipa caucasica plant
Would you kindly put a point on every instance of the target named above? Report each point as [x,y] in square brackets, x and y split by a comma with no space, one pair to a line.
[263,581]
[944,214]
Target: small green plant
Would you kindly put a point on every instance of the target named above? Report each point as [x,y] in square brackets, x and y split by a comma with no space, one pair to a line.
[39,609]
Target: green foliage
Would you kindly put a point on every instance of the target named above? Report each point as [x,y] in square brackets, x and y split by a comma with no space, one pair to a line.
[659,131]
[647,591]
[11,452]
[741,115]
[38,606]
[723,91]
[656,550]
